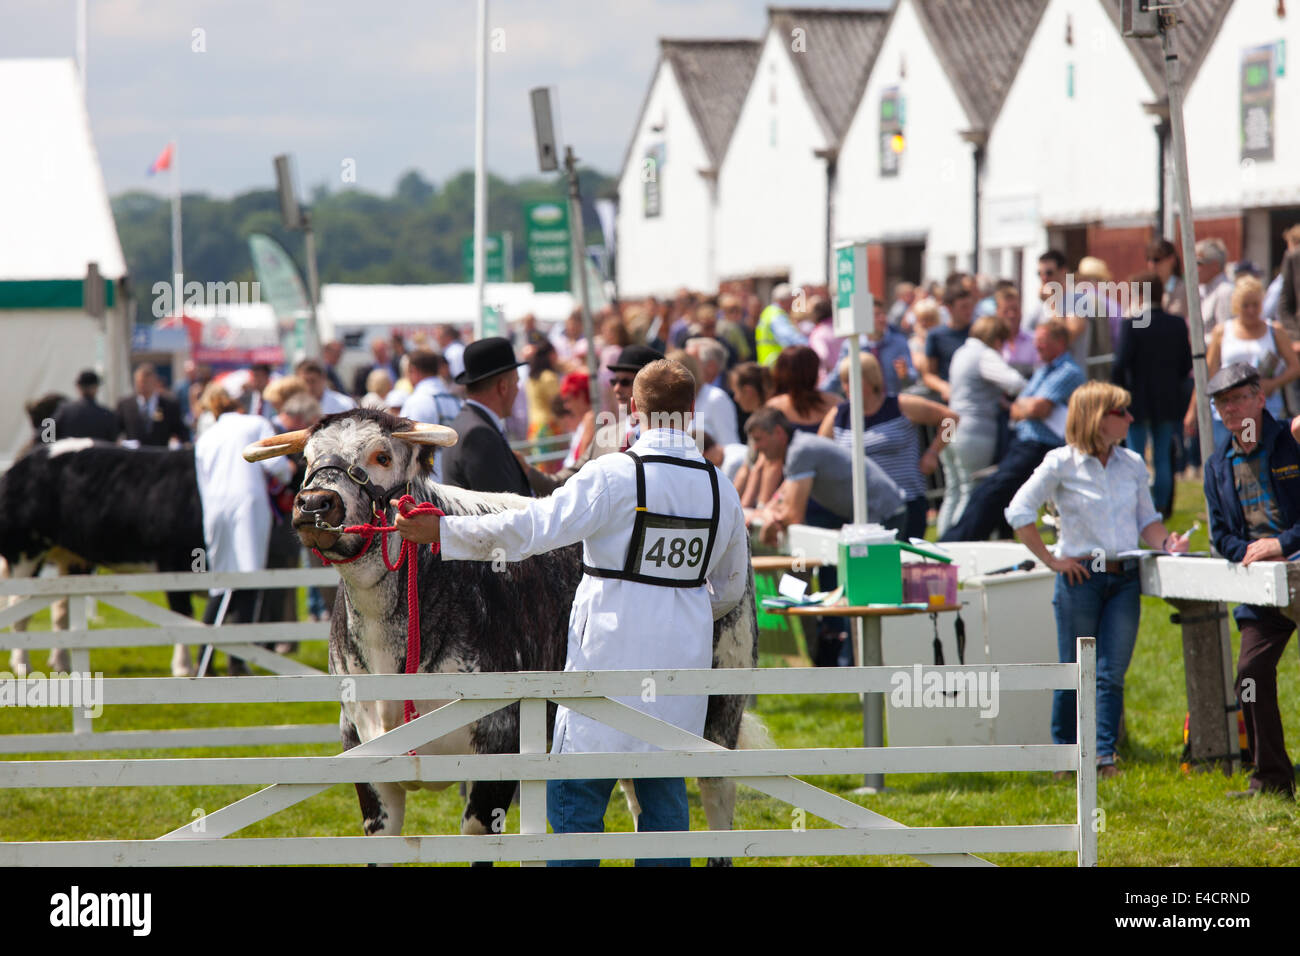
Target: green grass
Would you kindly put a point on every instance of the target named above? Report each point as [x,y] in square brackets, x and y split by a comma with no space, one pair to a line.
[1154,814]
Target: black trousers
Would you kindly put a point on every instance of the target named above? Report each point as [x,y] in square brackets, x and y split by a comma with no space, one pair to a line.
[243,609]
[1263,641]
[983,512]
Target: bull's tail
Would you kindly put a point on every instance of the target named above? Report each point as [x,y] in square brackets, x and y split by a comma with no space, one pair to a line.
[754,734]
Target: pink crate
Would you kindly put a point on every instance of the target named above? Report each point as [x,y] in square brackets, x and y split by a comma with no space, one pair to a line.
[917,576]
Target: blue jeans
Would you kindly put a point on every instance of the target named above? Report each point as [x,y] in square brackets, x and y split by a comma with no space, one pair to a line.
[1162,438]
[1107,607]
[578,806]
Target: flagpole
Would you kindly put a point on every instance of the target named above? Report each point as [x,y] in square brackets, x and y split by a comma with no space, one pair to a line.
[480,170]
[178,280]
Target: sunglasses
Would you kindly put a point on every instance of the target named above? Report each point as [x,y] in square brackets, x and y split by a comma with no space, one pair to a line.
[1117,412]
[622,381]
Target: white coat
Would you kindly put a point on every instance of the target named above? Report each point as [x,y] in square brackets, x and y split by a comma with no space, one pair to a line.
[236,506]
[617,624]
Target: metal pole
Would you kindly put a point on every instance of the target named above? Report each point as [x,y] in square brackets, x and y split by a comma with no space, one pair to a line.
[312,340]
[975,254]
[579,260]
[480,172]
[178,280]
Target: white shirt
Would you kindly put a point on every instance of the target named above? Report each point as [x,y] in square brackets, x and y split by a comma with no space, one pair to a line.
[455,356]
[715,412]
[432,402]
[617,624]
[332,402]
[1101,509]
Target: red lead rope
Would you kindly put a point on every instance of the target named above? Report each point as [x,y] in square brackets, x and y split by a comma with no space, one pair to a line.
[406,506]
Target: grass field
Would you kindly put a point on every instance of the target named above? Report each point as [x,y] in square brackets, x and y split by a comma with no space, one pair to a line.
[1154,814]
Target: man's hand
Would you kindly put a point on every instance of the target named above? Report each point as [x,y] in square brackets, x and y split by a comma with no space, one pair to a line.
[1265,549]
[929,462]
[422,529]
[771,533]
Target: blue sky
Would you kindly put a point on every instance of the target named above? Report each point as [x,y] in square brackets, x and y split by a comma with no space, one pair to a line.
[388,84]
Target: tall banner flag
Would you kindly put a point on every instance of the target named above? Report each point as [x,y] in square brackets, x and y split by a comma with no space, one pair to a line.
[280,285]
[170,160]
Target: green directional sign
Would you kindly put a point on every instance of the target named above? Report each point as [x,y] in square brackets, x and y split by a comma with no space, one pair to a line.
[844,277]
[495,259]
[547,225]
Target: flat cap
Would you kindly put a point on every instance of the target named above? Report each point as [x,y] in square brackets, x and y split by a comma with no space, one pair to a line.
[1238,373]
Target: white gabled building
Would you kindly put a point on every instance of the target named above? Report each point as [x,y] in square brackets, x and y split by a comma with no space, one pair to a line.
[668,185]
[774,218]
[908,167]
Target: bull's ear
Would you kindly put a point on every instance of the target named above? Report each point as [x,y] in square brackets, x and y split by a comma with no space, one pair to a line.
[289,443]
[426,434]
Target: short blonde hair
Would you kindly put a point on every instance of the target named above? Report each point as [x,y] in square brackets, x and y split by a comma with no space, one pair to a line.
[282,389]
[217,400]
[926,311]
[664,387]
[1088,406]
[1247,286]
[990,330]
[871,374]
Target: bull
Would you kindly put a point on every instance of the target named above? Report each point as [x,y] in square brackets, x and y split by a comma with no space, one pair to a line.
[473,616]
[77,503]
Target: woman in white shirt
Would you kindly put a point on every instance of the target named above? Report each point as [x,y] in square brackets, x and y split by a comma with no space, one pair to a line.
[1104,508]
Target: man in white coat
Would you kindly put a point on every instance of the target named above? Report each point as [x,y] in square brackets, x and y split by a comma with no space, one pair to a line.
[664,554]
[236,504]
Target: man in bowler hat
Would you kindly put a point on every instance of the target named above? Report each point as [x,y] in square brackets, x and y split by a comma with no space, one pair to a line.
[481,459]
[85,417]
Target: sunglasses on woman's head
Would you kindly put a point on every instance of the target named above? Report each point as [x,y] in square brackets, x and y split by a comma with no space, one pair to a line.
[1117,412]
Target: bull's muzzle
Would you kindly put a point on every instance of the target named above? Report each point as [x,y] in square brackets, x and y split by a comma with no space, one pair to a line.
[318,515]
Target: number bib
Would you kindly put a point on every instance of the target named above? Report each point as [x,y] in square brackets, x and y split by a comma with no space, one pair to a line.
[667,550]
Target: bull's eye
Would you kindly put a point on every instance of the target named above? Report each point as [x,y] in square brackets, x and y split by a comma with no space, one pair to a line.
[384,459]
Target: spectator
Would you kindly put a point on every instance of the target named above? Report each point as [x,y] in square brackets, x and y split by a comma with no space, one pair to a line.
[890,438]
[943,341]
[379,348]
[1253,501]
[1216,290]
[313,376]
[576,394]
[566,339]
[1094,317]
[1051,283]
[1288,306]
[379,382]
[986,302]
[541,387]
[452,348]
[431,398]
[281,390]
[925,316]
[715,412]
[981,378]
[794,379]
[1248,339]
[822,339]
[1018,350]
[613,340]
[284,549]
[775,331]
[904,296]
[1104,508]
[85,417]
[751,386]
[253,400]
[331,353]
[734,330]
[1153,360]
[1040,416]
[527,333]
[1162,258]
[151,417]
[891,349]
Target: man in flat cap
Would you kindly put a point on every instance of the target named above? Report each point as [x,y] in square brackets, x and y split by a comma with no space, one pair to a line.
[85,417]
[1252,493]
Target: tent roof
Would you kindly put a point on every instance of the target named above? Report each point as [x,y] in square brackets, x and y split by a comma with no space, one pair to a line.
[53,202]
[436,304]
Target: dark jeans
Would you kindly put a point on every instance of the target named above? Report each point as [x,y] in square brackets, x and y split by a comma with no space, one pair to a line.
[910,522]
[578,806]
[1262,642]
[983,513]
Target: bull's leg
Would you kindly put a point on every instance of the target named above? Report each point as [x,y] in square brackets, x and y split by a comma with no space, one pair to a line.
[485,812]
[383,805]
[19,660]
[181,602]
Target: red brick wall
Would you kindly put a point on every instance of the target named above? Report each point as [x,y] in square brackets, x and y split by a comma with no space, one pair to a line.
[1124,249]
[876,269]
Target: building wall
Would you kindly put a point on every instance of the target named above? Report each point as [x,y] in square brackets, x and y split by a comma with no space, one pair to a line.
[661,254]
[771,188]
[1056,159]
[1220,180]
[931,195]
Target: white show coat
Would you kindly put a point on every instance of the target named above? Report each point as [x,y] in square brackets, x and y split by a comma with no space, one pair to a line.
[617,624]
[236,507]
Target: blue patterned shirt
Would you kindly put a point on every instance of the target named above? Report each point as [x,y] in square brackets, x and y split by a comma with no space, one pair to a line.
[1056,380]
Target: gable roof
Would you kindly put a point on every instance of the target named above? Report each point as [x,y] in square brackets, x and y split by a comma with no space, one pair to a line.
[1198,24]
[841,49]
[981,44]
[714,77]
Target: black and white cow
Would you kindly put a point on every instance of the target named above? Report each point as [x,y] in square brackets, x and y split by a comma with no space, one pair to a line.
[77,503]
[473,617]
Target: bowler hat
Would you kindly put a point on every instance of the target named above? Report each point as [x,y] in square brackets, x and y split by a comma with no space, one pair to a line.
[633,358]
[1231,376]
[87,378]
[485,358]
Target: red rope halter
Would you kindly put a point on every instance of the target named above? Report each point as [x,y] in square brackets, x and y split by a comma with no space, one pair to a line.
[406,507]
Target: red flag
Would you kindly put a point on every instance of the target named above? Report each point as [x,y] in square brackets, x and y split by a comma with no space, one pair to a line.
[164,160]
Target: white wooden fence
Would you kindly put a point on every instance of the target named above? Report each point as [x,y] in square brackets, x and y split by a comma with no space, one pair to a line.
[860,831]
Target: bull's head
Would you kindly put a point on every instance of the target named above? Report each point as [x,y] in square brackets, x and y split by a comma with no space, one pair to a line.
[356,461]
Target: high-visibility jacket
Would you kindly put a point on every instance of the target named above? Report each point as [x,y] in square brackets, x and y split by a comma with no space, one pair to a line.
[764,339]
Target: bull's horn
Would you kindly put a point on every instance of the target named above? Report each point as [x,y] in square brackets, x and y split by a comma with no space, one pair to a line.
[425,434]
[289,443]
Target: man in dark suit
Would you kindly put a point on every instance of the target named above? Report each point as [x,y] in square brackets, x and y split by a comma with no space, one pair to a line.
[1288,307]
[85,417]
[1153,360]
[150,417]
[481,459]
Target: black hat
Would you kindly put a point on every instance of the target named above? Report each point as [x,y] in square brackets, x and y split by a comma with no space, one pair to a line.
[87,378]
[1238,373]
[485,358]
[633,358]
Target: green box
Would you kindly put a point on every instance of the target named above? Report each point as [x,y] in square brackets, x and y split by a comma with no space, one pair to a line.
[873,573]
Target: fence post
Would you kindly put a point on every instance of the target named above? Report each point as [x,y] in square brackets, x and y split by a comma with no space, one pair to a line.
[79,657]
[1086,736]
[532,793]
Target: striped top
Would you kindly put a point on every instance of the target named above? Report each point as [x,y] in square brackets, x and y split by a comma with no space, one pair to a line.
[890,440]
